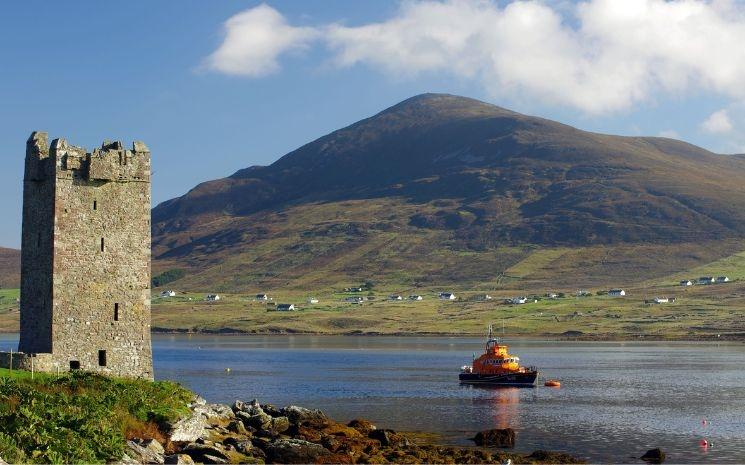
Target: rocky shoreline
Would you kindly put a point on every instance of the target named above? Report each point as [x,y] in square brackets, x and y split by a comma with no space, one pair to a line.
[248,432]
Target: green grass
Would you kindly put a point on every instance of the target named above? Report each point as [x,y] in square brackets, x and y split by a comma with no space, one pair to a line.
[80,417]
[9,316]
[21,374]
[534,262]
[704,312]
[732,266]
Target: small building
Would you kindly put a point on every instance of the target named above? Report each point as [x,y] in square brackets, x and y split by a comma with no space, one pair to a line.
[447,296]
[483,297]
[285,307]
[616,293]
[262,297]
[395,297]
[706,280]
[212,298]
[661,300]
[312,300]
[168,294]
[686,282]
[582,293]
[722,279]
[552,295]
[415,297]
[518,300]
[354,299]
[353,289]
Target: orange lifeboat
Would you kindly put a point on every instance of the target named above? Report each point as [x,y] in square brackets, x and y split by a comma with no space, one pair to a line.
[552,383]
[497,367]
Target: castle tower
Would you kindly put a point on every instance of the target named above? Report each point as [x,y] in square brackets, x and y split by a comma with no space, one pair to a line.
[85,260]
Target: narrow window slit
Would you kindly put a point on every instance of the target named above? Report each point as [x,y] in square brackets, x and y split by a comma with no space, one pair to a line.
[102,358]
[116,312]
[102,247]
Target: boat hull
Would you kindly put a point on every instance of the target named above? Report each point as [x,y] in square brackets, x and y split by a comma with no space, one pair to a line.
[526,379]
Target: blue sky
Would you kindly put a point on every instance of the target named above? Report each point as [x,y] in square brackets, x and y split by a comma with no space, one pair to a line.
[210,98]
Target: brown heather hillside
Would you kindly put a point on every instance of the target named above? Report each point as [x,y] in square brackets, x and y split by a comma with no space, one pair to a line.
[442,189]
[10,268]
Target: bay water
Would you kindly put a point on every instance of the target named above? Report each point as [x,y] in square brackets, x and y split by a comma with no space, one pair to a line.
[617,399]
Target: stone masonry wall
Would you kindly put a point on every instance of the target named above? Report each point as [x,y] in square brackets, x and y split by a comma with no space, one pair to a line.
[100,274]
[36,362]
[36,246]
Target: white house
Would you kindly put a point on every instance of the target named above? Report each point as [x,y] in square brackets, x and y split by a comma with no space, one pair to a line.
[395,297]
[354,299]
[447,296]
[212,297]
[285,307]
[518,300]
[483,297]
[617,293]
[312,300]
[706,280]
[168,294]
[552,295]
[262,297]
[722,279]
[415,297]
[686,282]
[582,293]
[661,300]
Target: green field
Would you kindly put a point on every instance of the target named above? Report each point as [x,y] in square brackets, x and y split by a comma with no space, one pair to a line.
[644,271]
[700,312]
[9,316]
[714,311]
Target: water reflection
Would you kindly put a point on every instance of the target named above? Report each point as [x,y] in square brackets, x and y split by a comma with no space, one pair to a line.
[501,403]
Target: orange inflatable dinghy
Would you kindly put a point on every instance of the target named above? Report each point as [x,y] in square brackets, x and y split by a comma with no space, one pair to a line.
[552,383]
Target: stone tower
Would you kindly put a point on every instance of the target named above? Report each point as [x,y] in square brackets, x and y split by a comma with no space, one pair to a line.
[85,260]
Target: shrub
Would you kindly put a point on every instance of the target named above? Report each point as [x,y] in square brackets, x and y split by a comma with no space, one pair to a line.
[167,277]
[81,417]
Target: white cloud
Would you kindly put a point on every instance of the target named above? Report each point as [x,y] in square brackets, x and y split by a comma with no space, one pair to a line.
[727,128]
[254,40]
[718,123]
[598,56]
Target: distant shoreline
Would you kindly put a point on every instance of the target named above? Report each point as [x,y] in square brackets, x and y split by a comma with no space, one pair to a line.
[544,336]
[231,332]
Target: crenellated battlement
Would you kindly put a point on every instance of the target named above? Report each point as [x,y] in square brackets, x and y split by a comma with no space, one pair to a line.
[110,162]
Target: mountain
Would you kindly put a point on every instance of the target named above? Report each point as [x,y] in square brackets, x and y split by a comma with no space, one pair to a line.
[437,178]
[10,268]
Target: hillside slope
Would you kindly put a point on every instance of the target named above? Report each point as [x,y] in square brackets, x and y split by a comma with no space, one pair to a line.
[441,187]
[10,268]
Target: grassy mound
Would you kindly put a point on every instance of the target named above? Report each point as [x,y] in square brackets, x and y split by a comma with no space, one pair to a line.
[81,417]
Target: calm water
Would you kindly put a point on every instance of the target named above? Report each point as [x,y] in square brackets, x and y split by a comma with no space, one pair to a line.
[617,399]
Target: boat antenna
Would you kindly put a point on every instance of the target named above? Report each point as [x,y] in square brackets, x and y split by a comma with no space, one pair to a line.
[491,332]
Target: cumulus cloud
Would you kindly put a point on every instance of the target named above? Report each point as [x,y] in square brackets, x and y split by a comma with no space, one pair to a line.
[254,40]
[598,56]
[718,122]
[727,128]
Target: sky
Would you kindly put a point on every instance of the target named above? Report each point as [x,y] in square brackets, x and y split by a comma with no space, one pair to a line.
[213,87]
